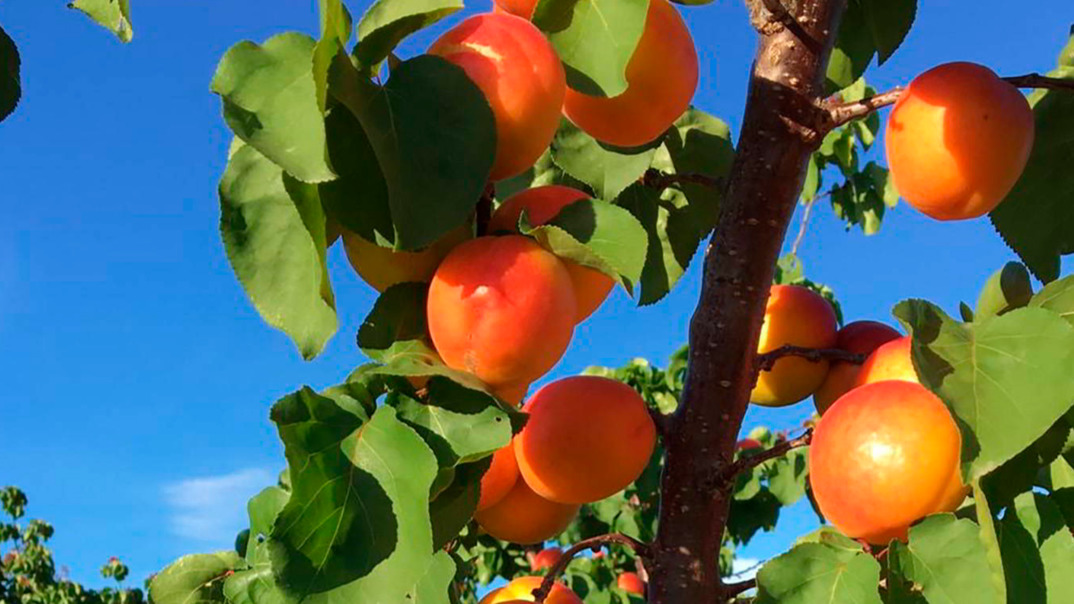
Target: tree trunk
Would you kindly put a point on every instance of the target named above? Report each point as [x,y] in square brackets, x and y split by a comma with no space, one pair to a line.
[778,135]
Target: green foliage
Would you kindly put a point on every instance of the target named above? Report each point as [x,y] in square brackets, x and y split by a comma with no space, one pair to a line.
[1038,550]
[820,572]
[1007,289]
[10,81]
[944,561]
[606,169]
[113,15]
[870,28]
[194,578]
[387,22]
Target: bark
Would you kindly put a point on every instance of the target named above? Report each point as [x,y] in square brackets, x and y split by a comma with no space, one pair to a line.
[779,131]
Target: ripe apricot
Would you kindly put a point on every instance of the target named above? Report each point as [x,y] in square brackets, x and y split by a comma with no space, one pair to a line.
[383,267]
[546,558]
[748,444]
[631,583]
[501,308]
[517,69]
[511,393]
[883,457]
[890,361]
[521,589]
[586,438]
[525,517]
[957,141]
[541,204]
[661,80]
[795,316]
[499,479]
[859,337]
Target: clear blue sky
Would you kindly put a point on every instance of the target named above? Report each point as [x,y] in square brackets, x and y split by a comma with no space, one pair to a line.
[136,376]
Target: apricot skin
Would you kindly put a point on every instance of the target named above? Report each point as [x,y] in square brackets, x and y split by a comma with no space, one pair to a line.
[631,583]
[884,456]
[859,337]
[541,204]
[546,558]
[383,267]
[521,590]
[586,438]
[890,361]
[796,316]
[517,69]
[499,479]
[661,80]
[957,141]
[501,308]
[525,517]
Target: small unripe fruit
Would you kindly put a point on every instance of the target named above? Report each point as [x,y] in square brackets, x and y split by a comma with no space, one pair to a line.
[890,361]
[957,141]
[631,583]
[383,267]
[546,558]
[521,589]
[525,517]
[499,479]
[747,444]
[859,337]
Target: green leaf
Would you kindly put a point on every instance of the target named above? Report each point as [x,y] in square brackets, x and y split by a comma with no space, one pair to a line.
[387,22]
[787,476]
[751,515]
[113,15]
[543,172]
[432,586]
[255,586]
[10,84]
[454,506]
[336,31]
[273,231]
[1005,378]
[358,199]
[1061,474]
[606,169]
[1037,217]
[194,579]
[1007,289]
[946,559]
[1038,551]
[889,22]
[854,48]
[1058,297]
[596,42]
[270,101]
[986,532]
[433,134]
[263,509]
[817,572]
[398,315]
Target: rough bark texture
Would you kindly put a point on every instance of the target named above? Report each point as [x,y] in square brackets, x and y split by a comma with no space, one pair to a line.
[778,135]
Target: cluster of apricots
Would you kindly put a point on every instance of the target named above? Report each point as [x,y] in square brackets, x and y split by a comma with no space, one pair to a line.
[886,451]
[520,590]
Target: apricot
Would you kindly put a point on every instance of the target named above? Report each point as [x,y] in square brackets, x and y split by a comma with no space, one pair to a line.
[499,479]
[631,583]
[525,517]
[383,267]
[586,438]
[794,316]
[517,69]
[542,204]
[546,558]
[890,361]
[957,141]
[501,308]
[884,456]
[748,444]
[661,80]
[859,337]
[521,590]
[511,393]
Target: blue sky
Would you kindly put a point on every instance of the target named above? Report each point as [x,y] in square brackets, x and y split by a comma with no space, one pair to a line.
[136,376]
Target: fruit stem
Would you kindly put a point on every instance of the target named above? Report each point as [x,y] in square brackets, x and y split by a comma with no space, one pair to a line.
[640,548]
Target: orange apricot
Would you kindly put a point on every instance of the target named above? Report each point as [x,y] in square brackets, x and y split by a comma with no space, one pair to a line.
[631,583]
[501,308]
[383,267]
[521,589]
[586,438]
[517,69]
[661,80]
[511,393]
[541,204]
[546,558]
[957,141]
[521,8]
[499,479]
[525,517]
[883,457]
[794,316]
[890,361]
[859,337]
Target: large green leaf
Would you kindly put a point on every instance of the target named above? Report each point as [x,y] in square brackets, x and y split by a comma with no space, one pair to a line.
[1037,217]
[10,84]
[889,22]
[263,510]
[194,579]
[433,134]
[454,506]
[358,199]
[255,586]
[113,15]
[607,170]
[1058,297]
[337,28]
[270,101]
[398,315]
[543,172]
[1006,378]
[1038,551]
[273,231]
[812,573]
[869,28]
[387,22]
[946,561]
[460,425]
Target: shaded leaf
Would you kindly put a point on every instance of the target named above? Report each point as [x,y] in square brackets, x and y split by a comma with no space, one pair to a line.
[194,579]
[113,15]
[889,22]
[10,83]
[398,315]
[454,506]
[672,239]
[460,425]
[1007,289]
[1038,551]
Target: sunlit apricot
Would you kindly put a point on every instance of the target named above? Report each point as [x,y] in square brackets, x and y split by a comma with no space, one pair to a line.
[631,583]
[957,141]
[884,456]
[890,361]
[586,438]
[541,204]
[546,558]
[517,69]
[499,479]
[794,316]
[383,267]
[501,308]
[859,337]
[512,393]
[521,589]
[661,80]
[525,517]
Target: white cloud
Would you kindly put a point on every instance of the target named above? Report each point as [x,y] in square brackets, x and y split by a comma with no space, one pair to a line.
[213,508]
[745,568]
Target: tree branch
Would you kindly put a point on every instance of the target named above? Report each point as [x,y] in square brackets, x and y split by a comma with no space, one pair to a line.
[733,589]
[748,463]
[766,361]
[593,543]
[661,421]
[661,180]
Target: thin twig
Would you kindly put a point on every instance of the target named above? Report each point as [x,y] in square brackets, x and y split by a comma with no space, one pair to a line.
[803,225]
[733,589]
[748,463]
[766,361]
[661,180]
[593,543]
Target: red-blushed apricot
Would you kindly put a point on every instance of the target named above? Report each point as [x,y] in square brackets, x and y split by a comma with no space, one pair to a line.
[545,558]
[511,393]
[525,517]
[794,316]
[499,479]
[512,62]
[883,457]
[957,141]
[541,204]
[586,438]
[521,589]
[859,337]
[661,80]
[747,444]
[383,267]
[501,308]
[631,583]
[890,361]
[520,8]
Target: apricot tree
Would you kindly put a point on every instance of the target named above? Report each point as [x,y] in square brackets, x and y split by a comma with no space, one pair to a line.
[496,187]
